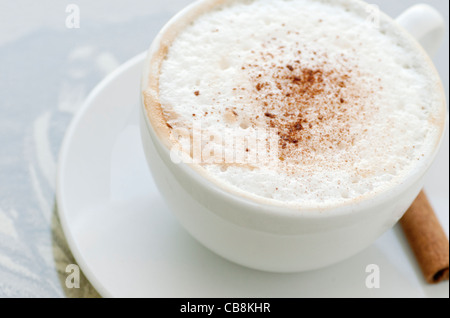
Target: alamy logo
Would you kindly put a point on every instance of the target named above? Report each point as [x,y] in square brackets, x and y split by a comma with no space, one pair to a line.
[373,18]
[73,279]
[249,147]
[73,17]
[373,279]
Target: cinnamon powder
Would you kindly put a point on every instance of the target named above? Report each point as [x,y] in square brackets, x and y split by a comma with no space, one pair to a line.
[312,105]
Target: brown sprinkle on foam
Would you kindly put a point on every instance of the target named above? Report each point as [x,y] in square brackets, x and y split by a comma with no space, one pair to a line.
[313,107]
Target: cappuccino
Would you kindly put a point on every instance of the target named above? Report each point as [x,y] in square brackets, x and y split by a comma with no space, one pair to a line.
[311,103]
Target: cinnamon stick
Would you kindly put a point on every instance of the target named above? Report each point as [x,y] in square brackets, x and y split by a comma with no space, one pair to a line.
[427,240]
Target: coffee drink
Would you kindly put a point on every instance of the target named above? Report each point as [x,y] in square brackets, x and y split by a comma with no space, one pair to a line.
[308,103]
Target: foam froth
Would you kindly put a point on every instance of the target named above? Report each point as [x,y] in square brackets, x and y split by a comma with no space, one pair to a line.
[332,107]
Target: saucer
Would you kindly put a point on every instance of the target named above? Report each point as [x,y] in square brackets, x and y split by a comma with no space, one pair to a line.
[128,244]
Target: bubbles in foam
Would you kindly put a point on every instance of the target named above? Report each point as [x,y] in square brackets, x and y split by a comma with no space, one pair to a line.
[347,104]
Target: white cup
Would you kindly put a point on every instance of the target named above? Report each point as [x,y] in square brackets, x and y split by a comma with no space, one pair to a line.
[272,238]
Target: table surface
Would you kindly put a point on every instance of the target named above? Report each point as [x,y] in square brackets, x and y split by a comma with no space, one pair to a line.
[46,71]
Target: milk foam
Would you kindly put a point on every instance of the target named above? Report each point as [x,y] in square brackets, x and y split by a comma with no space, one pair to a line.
[351,105]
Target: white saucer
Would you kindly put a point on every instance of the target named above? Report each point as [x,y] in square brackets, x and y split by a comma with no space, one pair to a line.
[128,244]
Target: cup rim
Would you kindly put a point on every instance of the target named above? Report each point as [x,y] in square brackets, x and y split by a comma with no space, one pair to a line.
[273,207]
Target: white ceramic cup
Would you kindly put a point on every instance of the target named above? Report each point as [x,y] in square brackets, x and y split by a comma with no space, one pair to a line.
[272,238]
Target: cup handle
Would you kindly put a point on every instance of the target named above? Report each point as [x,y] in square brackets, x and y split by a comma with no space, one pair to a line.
[426,24]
